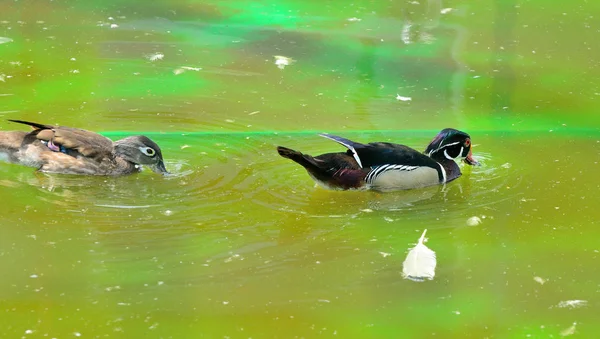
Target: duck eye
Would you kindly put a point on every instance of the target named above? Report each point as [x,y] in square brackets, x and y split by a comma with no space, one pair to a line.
[148,151]
[468,142]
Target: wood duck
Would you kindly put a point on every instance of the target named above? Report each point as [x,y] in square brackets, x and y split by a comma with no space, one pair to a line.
[58,149]
[384,166]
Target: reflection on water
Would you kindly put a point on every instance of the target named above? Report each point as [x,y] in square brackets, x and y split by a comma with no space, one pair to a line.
[238,242]
[237,229]
[234,215]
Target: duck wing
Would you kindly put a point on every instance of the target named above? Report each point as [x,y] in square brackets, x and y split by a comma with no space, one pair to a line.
[377,154]
[86,143]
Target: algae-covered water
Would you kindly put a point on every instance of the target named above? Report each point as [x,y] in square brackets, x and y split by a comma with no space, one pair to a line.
[238,242]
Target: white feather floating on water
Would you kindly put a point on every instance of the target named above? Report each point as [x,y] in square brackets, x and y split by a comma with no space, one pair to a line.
[420,262]
[282,61]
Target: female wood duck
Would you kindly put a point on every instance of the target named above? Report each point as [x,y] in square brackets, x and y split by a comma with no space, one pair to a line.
[383,166]
[57,149]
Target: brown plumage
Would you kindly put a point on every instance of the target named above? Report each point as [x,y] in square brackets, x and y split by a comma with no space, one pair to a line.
[59,149]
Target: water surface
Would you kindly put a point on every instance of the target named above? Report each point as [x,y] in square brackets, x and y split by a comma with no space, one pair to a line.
[238,242]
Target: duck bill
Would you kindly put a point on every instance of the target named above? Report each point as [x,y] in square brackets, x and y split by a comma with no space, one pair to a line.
[159,168]
[470,160]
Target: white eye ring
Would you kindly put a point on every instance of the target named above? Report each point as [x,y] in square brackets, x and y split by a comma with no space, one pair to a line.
[148,151]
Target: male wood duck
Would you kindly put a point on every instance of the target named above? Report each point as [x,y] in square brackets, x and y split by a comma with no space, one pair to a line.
[58,149]
[384,166]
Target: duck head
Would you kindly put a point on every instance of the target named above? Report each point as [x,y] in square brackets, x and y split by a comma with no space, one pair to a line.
[451,144]
[141,150]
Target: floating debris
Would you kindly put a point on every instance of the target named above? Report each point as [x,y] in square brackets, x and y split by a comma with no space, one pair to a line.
[4,40]
[183,69]
[473,221]
[401,98]
[405,35]
[539,280]
[385,254]
[282,61]
[569,331]
[354,19]
[155,56]
[572,303]
[446,10]
[234,256]
[114,26]
[420,262]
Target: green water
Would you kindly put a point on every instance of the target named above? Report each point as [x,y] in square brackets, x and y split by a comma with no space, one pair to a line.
[238,243]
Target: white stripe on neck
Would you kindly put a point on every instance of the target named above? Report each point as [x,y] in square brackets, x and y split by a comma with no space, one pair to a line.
[443,173]
[459,153]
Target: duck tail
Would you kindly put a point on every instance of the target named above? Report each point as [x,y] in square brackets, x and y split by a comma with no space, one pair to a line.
[304,160]
[34,125]
[332,170]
